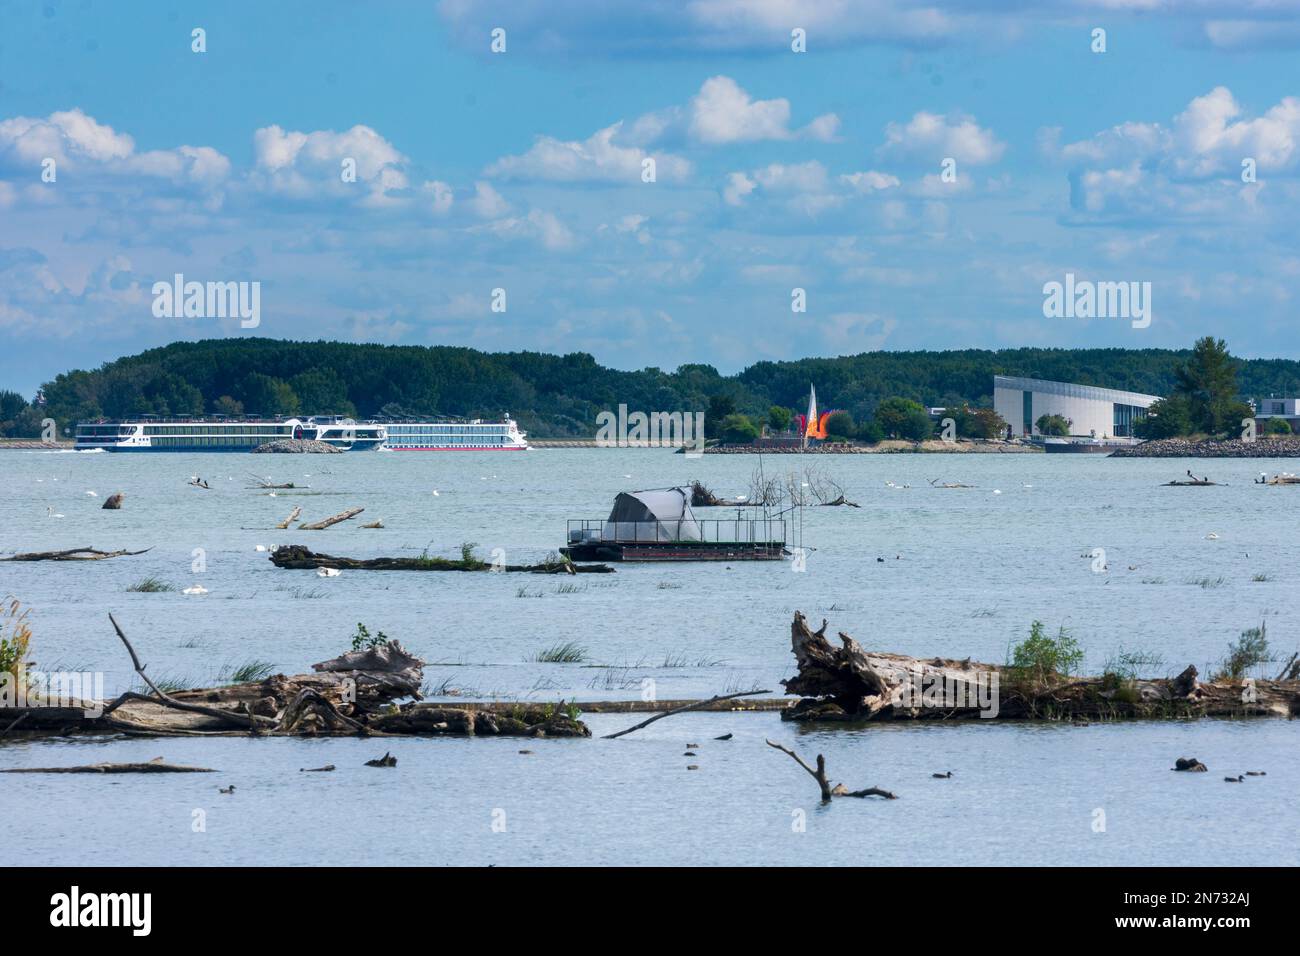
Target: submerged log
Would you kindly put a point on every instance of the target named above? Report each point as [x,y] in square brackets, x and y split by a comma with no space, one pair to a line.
[296,557]
[156,765]
[72,554]
[848,683]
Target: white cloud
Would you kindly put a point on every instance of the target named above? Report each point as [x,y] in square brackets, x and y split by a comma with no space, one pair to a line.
[538,226]
[77,142]
[722,112]
[869,181]
[930,137]
[487,202]
[311,165]
[595,159]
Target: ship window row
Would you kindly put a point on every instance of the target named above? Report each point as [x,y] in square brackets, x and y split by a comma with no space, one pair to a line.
[206,441]
[225,430]
[443,430]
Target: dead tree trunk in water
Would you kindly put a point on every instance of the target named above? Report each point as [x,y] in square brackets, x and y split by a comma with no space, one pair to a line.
[848,683]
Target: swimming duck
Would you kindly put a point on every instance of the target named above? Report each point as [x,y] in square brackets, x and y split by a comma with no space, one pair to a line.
[941,776]
[1236,779]
[229,789]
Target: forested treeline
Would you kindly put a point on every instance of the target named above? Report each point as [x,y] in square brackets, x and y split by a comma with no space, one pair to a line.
[558,396]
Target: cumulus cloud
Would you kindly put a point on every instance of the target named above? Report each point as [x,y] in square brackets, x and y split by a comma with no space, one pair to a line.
[723,112]
[311,165]
[596,159]
[77,142]
[929,137]
[1188,167]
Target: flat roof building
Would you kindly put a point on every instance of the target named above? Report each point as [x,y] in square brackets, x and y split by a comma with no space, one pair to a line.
[1091,412]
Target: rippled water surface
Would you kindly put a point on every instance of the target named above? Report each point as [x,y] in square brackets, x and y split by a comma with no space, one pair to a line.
[965,571]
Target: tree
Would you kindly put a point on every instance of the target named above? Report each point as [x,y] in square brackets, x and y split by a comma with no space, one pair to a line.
[321,391]
[1277,426]
[265,395]
[737,430]
[779,417]
[12,406]
[975,422]
[840,426]
[903,418]
[1166,418]
[720,407]
[228,407]
[871,432]
[1208,380]
[1053,425]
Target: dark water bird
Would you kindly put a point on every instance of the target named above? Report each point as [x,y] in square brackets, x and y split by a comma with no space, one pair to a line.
[723,737]
[325,769]
[1236,779]
[387,760]
[692,746]
[525,751]
[881,560]
[1190,764]
[941,776]
[229,789]
[690,753]
[692,766]
[1256,773]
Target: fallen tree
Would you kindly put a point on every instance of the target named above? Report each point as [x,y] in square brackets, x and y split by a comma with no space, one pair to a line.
[296,557]
[72,554]
[331,520]
[356,693]
[848,683]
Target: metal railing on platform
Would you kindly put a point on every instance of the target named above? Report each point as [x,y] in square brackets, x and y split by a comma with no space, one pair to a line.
[710,531]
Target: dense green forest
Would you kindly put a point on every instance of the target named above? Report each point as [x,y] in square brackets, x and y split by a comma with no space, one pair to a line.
[558,396]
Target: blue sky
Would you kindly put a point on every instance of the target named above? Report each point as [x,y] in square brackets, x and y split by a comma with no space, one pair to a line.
[522,170]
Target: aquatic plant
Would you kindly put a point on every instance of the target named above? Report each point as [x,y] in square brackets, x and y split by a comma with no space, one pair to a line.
[569,652]
[363,641]
[246,673]
[1249,650]
[1039,659]
[151,585]
[15,638]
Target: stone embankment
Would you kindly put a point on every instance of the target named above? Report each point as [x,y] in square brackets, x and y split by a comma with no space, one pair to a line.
[1275,447]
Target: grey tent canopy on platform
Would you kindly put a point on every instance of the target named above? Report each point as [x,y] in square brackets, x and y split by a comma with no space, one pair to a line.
[660,515]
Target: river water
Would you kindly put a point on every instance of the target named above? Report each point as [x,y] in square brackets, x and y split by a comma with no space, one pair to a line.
[965,572]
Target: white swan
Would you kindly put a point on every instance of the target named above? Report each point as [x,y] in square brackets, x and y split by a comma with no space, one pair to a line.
[51,513]
[195,589]
[328,572]
[1212,536]
[91,494]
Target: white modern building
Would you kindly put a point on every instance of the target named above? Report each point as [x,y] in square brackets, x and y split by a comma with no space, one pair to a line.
[1092,412]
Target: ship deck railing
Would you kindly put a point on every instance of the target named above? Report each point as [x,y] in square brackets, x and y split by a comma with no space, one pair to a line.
[748,531]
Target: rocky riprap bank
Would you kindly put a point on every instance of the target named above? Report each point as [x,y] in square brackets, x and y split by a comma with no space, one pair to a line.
[296,446]
[1286,447]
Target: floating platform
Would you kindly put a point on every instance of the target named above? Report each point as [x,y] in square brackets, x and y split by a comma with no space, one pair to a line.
[688,539]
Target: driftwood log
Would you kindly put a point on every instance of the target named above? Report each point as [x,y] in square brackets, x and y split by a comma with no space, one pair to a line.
[296,557]
[331,520]
[356,693]
[72,554]
[839,790]
[156,765]
[848,683]
[293,516]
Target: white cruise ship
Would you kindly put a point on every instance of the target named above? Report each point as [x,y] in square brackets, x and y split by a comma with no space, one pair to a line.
[224,434]
[475,435]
